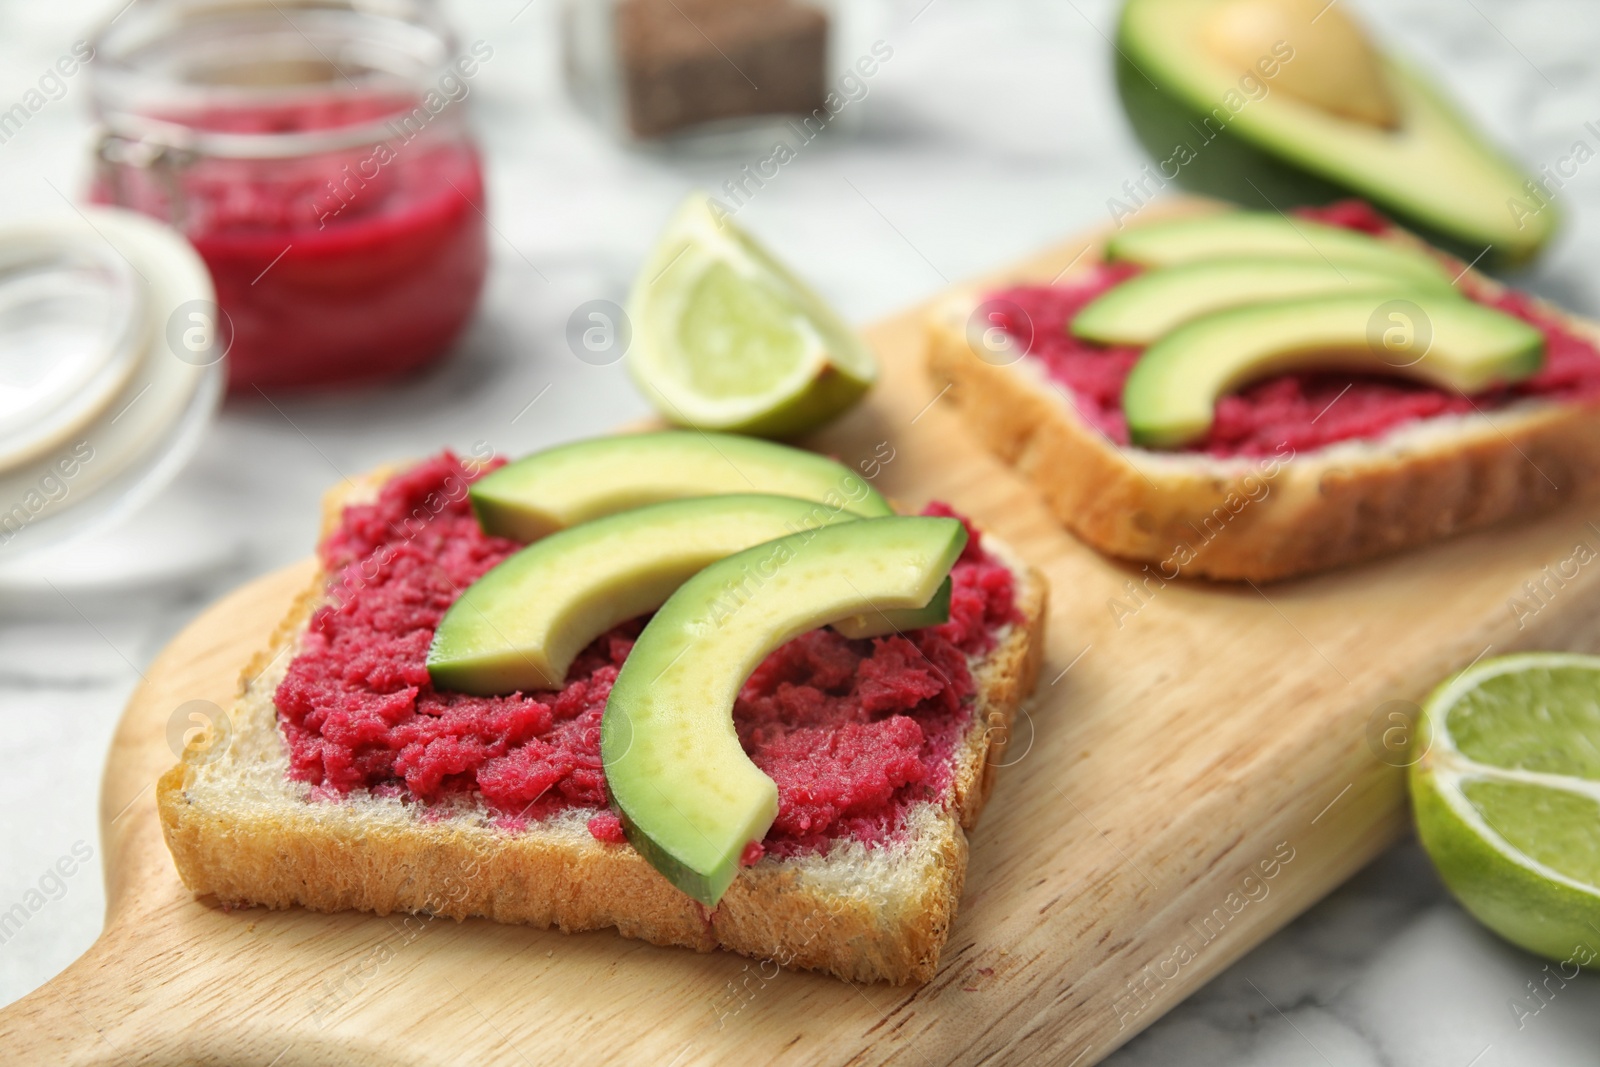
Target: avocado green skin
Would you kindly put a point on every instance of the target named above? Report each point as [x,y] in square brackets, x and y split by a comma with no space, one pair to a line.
[1530,912]
[1222,167]
[706,890]
[1231,168]
[899,620]
[516,501]
[688,796]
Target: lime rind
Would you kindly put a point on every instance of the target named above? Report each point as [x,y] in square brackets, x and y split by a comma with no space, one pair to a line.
[1525,900]
[1519,899]
[702,269]
[845,347]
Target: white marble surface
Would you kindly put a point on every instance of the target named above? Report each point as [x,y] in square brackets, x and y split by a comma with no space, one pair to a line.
[991,131]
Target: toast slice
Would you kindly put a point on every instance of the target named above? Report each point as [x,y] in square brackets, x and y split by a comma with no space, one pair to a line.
[241,831]
[1264,518]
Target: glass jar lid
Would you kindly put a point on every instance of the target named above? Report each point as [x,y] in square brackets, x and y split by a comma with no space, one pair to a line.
[110,352]
[209,76]
[70,337]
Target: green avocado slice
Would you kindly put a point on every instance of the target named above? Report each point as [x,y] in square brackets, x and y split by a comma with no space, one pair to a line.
[690,799]
[1142,309]
[519,626]
[881,622]
[1263,233]
[1232,133]
[1170,397]
[573,483]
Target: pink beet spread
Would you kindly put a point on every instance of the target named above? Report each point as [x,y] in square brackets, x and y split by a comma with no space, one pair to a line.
[1300,411]
[336,266]
[852,732]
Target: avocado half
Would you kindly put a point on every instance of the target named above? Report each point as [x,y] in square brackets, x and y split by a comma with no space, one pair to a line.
[1216,132]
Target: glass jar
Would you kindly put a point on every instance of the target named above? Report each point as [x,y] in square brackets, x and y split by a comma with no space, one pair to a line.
[317,155]
[722,73]
[110,369]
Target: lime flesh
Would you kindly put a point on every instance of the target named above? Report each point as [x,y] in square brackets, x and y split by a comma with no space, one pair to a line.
[726,338]
[737,336]
[1507,798]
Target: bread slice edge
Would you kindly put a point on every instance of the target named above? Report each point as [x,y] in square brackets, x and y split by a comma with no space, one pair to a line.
[240,832]
[1272,517]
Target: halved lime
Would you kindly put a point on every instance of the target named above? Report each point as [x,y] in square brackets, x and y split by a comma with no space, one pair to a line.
[725,338]
[1507,798]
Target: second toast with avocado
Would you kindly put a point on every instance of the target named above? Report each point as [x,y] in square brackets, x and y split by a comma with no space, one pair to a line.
[1321,488]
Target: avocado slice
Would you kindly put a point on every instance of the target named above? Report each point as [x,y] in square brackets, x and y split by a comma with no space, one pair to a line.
[690,799]
[1249,134]
[519,626]
[881,622]
[1150,305]
[573,483]
[1170,398]
[1229,234]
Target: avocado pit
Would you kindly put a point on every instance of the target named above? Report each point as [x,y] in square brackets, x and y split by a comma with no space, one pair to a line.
[1335,66]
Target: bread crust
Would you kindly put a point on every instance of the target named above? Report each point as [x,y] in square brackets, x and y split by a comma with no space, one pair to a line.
[241,833]
[1264,519]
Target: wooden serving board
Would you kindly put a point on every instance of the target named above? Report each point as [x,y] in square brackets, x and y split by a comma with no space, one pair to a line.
[1189,777]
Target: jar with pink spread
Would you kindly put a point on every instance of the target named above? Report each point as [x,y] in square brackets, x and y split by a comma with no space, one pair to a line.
[317,155]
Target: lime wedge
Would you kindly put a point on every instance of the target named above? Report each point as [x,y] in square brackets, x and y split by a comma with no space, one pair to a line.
[725,338]
[1507,798]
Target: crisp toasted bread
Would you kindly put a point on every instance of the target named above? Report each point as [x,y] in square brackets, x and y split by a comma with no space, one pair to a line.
[240,830]
[1266,518]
